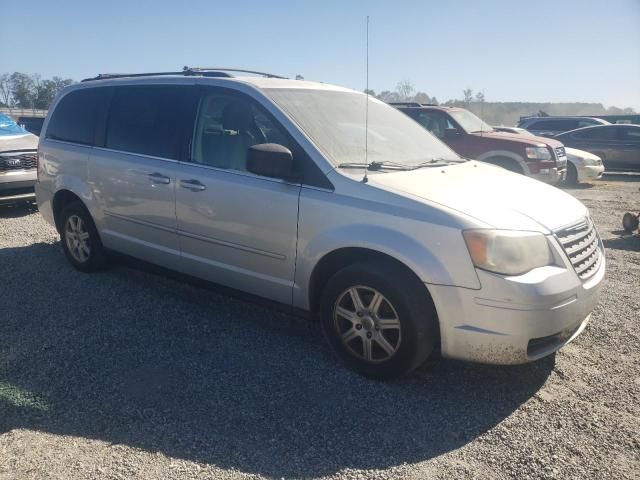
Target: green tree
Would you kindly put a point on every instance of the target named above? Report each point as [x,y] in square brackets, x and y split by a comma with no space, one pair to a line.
[22,89]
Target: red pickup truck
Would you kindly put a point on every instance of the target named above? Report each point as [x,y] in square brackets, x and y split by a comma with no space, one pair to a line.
[468,135]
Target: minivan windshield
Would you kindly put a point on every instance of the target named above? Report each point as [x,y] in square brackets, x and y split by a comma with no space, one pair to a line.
[335,122]
[469,122]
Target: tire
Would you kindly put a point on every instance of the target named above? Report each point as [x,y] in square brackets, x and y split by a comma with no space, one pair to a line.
[572,174]
[80,240]
[630,222]
[393,341]
[506,163]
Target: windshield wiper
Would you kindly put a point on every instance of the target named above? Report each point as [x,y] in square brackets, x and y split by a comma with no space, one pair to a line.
[375,166]
[436,162]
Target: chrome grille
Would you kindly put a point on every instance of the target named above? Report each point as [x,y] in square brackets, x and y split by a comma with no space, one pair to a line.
[581,243]
[23,161]
[561,158]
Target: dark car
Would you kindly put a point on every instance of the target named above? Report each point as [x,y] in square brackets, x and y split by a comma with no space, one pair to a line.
[617,145]
[552,126]
[469,136]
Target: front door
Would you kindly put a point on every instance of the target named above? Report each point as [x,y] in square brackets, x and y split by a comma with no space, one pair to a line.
[236,228]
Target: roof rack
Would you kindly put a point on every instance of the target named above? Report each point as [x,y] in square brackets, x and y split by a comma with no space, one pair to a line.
[197,70]
[413,104]
[187,71]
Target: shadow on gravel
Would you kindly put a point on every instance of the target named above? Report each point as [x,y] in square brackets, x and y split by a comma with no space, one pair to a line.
[18,210]
[142,360]
[630,242]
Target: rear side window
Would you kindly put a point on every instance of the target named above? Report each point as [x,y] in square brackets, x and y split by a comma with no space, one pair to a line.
[148,119]
[554,125]
[596,133]
[74,118]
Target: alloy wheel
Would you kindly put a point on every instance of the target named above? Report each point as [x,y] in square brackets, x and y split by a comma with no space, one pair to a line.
[367,324]
[76,236]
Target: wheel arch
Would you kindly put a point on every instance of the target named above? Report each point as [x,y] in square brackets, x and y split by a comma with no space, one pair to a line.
[340,258]
[493,155]
[61,199]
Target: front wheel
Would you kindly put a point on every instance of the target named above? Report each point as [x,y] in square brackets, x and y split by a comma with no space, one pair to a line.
[80,240]
[379,319]
[572,174]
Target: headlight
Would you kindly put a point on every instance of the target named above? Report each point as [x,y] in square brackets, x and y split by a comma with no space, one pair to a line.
[539,153]
[508,252]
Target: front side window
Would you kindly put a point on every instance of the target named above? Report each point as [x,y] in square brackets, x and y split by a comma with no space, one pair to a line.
[227,126]
[148,119]
[435,122]
[74,118]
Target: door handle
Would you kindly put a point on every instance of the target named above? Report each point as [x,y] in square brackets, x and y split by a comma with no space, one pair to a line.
[158,178]
[193,185]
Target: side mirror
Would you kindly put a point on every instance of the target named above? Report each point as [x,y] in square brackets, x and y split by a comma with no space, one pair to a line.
[451,133]
[271,160]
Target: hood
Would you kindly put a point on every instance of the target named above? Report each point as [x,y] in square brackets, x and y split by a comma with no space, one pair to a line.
[494,196]
[529,140]
[575,153]
[18,142]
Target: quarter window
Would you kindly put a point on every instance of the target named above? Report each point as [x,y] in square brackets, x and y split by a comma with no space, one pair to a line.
[74,118]
[148,119]
[227,126]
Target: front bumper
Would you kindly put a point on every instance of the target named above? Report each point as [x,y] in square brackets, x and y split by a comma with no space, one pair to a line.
[513,320]
[587,173]
[551,175]
[17,186]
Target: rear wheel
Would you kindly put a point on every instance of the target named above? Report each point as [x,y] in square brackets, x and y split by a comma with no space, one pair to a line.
[378,319]
[80,240]
[572,174]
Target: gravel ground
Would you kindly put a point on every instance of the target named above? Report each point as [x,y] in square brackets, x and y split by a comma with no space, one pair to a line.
[129,374]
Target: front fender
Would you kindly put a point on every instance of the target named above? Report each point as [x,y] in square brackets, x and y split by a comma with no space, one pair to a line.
[414,255]
[505,154]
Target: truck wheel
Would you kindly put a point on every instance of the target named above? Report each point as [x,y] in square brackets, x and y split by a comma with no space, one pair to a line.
[378,319]
[80,240]
[572,174]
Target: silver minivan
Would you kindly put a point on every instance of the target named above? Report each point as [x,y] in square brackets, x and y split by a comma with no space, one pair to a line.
[328,201]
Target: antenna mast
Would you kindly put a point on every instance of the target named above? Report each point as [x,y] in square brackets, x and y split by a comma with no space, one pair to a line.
[365,179]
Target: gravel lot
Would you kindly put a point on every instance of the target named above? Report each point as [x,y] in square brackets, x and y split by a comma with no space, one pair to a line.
[131,374]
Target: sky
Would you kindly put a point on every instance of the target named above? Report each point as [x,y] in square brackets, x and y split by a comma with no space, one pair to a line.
[535,51]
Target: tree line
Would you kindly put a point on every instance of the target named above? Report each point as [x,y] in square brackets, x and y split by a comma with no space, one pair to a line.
[497,113]
[29,91]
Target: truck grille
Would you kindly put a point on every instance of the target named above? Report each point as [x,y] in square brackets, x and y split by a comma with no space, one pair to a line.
[581,243]
[23,161]
[561,158]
